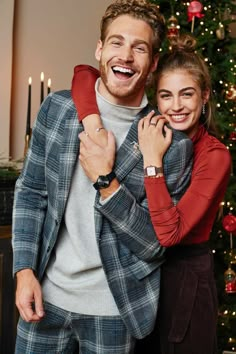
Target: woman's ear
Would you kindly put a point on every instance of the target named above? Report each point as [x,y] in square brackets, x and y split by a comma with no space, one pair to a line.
[205,96]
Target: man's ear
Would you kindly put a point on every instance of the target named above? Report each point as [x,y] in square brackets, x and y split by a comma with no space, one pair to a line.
[155,60]
[98,50]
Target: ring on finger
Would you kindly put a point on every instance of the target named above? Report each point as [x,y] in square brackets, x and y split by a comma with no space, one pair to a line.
[152,123]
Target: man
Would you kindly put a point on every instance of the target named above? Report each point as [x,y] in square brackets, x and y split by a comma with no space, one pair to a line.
[86,257]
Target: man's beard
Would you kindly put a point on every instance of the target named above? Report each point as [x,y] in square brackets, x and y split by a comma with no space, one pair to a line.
[122,91]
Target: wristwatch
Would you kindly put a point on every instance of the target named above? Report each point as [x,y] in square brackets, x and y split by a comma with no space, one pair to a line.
[104,181]
[153,171]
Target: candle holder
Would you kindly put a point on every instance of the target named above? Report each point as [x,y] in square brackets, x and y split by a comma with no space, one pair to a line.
[27,142]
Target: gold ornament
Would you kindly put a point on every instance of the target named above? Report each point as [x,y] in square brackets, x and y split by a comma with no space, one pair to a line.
[230,94]
[230,281]
[173,28]
[220,32]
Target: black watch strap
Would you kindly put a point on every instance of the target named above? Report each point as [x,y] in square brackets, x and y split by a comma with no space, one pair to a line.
[104,181]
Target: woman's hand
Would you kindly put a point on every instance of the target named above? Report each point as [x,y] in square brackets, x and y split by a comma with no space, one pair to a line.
[154,139]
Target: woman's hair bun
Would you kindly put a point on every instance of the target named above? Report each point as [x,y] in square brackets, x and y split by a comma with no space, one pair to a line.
[184,42]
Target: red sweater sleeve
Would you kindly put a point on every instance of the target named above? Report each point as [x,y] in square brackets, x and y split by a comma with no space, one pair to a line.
[191,220]
[82,90]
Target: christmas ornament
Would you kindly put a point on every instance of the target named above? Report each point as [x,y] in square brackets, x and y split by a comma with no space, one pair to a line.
[230,281]
[229,223]
[232,256]
[231,93]
[232,136]
[220,32]
[194,10]
[172,25]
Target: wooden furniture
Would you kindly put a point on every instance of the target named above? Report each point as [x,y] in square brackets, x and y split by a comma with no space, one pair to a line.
[8,312]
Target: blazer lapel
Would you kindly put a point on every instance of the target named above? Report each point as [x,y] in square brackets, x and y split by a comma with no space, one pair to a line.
[129,154]
[68,157]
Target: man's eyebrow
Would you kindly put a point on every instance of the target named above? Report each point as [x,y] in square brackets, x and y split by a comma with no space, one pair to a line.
[136,41]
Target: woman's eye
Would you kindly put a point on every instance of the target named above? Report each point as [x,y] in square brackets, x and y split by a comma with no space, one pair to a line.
[187,94]
[165,96]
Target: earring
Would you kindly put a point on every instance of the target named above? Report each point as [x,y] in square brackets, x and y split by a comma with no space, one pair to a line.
[203,109]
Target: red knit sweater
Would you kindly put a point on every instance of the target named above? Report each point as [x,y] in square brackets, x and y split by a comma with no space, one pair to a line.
[192,219]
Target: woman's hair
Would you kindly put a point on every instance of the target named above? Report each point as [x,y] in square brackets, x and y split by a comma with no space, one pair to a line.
[183,56]
[138,9]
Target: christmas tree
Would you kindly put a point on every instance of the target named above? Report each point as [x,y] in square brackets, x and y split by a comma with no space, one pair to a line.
[210,23]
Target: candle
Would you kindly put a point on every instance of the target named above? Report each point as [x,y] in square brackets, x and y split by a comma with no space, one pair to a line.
[49,85]
[29,108]
[42,87]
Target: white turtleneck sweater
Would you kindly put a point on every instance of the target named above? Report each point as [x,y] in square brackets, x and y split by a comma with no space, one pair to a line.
[75,279]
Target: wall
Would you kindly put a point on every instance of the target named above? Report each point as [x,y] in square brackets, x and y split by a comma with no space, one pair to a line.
[50,36]
[6,27]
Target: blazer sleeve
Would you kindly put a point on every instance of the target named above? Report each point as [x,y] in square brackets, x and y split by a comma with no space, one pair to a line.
[131,220]
[30,199]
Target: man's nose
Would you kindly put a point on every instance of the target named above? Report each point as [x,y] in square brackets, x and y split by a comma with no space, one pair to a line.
[126,53]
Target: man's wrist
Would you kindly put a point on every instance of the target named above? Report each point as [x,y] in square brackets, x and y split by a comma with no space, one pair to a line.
[24,272]
[107,192]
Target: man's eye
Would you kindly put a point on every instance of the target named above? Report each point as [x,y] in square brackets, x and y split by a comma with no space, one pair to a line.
[141,49]
[116,43]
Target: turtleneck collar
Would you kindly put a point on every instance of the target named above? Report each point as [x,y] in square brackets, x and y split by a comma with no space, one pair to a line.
[118,111]
[199,134]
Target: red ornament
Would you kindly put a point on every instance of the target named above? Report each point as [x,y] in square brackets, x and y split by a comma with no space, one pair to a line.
[230,281]
[194,10]
[232,136]
[230,287]
[231,93]
[229,223]
[172,26]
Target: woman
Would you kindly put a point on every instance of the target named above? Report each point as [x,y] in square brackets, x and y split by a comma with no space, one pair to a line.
[187,315]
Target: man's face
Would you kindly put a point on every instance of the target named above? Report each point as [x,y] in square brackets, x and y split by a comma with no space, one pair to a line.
[125,59]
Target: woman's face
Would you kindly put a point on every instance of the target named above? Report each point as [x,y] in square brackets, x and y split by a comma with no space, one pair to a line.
[180,100]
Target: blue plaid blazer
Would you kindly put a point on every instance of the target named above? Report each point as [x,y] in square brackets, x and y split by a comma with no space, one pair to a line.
[129,249]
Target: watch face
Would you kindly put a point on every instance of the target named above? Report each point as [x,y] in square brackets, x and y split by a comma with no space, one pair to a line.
[151,171]
[103,182]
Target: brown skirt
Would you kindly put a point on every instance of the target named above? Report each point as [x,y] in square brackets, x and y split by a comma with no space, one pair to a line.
[187,316]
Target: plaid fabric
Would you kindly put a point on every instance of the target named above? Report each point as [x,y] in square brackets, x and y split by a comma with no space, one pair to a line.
[63,332]
[129,249]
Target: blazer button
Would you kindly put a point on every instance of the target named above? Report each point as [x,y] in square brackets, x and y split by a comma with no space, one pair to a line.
[56,222]
[48,249]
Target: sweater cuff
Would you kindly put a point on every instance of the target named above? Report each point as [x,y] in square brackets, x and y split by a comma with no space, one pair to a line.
[83,90]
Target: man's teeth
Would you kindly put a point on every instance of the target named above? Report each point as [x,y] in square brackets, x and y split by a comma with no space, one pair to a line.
[179,116]
[123,70]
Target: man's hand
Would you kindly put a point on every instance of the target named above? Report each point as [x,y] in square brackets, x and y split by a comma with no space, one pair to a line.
[29,296]
[95,159]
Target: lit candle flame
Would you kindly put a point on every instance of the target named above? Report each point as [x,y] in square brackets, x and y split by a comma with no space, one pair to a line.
[42,76]
[30,80]
[49,82]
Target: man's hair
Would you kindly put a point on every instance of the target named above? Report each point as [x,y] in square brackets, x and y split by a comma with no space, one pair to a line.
[138,9]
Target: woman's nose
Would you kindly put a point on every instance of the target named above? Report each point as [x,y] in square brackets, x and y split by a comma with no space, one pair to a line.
[177,104]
